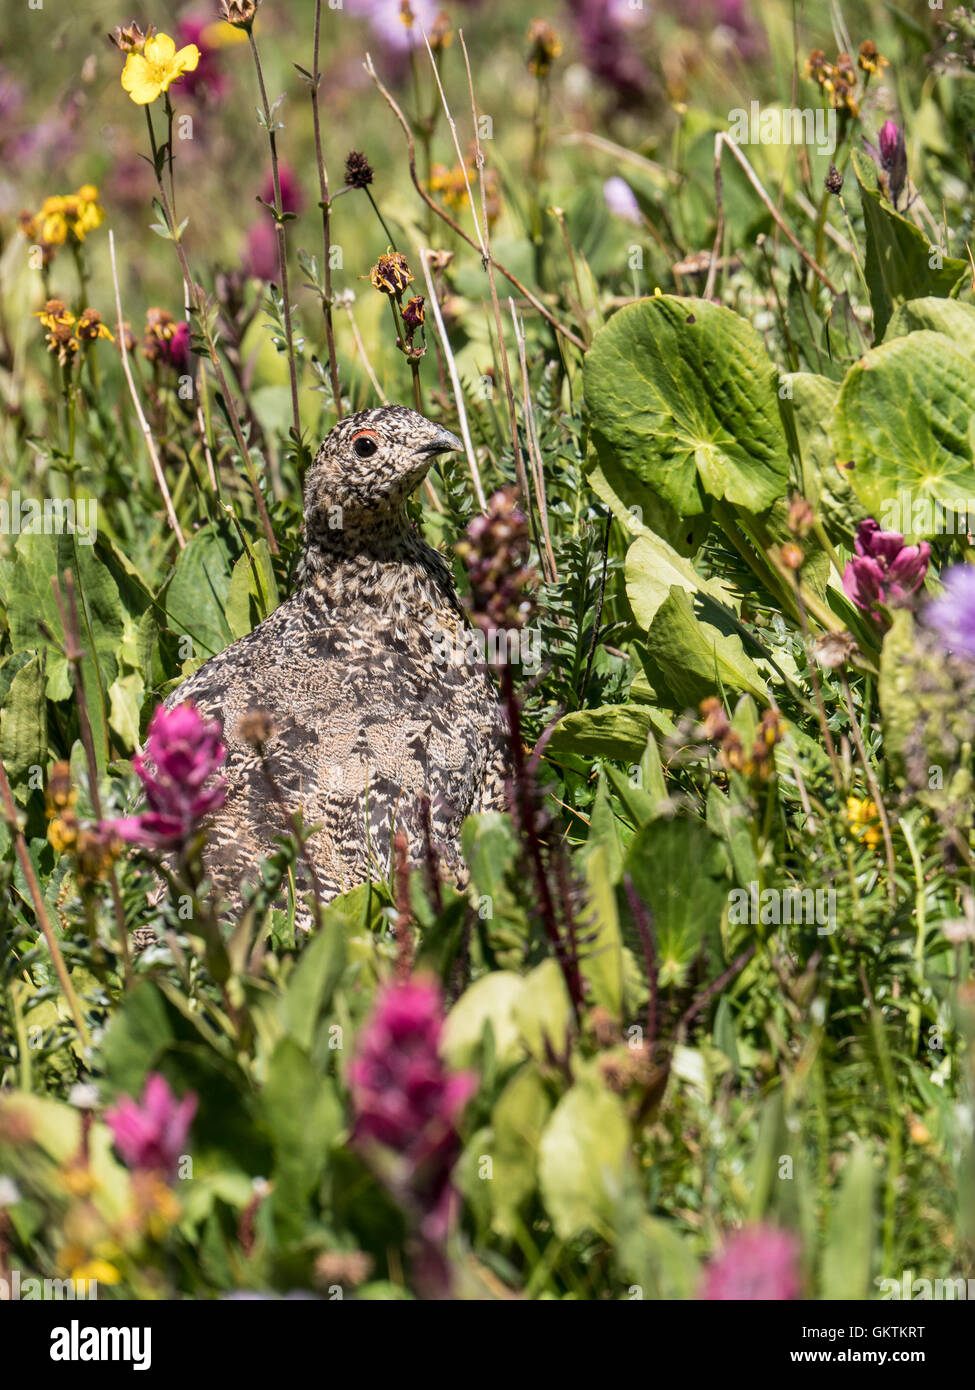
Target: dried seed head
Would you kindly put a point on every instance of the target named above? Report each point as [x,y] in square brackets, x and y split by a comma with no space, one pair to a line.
[129,38]
[358,170]
[239,13]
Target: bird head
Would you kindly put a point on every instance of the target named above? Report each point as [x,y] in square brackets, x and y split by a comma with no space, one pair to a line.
[367,467]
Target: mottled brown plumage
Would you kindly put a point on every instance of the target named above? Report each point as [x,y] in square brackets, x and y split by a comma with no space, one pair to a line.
[374,701]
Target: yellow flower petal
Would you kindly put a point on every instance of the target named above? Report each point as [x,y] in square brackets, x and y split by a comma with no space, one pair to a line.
[188,58]
[159,49]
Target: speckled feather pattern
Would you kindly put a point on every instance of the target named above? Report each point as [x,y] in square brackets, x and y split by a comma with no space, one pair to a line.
[367,715]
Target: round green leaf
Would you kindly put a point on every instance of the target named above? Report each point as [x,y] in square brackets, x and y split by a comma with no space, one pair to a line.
[685,394]
[902,420]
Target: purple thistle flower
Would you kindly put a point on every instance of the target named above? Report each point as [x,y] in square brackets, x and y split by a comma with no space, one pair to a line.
[758,1263]
[183,751]
[606,48]
[884,569]
[151,1133]
[404,1098]
[952,616]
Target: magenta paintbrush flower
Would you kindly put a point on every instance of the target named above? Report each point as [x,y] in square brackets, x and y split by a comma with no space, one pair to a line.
[406,1100]
[757,1263]
[151,1133]
[183,751]
[884,569]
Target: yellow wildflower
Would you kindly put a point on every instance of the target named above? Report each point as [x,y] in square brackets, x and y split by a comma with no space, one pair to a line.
[391,274]
[863,819]
[90,326]
[55,314]
[870,60]
[148,74]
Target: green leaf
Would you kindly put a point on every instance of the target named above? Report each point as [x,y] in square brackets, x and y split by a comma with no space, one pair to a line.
[603,956]
[619,732]
[849,1245]
[674,868]
[543,1011]
[897,687]
[490,1000]
[948,316]
[312,983]
[23,725]
[685,393]
[197,595]
[583,1160]
[101,621]
[302,1113]
[689,659]
[901,264]
[252,596]
[902,420]
[517,1122]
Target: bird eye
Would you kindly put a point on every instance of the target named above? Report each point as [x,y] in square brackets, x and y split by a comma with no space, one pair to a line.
[364,445]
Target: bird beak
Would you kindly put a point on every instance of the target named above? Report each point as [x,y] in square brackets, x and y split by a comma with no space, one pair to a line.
[443,442]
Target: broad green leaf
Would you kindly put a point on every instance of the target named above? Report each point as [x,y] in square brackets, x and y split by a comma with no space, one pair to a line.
[637,507]
[23,725]
[948,316]
[689,659]
[903,419]
[604,832]
[542,1011]
[583,1160]
[675,871]
[619,732]
[252,596]
[684,392]
[901,264]
[197,595]
[517,1121]
[491,999]
[100,620]
[125,703]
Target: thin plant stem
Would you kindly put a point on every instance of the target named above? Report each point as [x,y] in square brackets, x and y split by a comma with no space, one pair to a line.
[326,205]
[281,238]
[40,907]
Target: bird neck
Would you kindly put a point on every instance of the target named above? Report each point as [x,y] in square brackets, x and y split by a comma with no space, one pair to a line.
[380,562]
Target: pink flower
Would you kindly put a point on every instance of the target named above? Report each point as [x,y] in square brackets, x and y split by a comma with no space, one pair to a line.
[292,198]
[183,751]
[261,253]
[207,79]
[175,350]
[884,569]
[152,1133]
[404,1098]
[757,1263]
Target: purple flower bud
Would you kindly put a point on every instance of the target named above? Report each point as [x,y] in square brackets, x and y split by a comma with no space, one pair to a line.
[884,570]
[891,139]
[183,751]
[758,1263]
[152,1133]
[405,1099]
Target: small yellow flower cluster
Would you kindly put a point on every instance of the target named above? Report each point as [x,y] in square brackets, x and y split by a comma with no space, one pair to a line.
[544,46]
[65,333]
[451,186]
[94,851]
[151,70]
[839,79]
[759,761]
[864,820]
[63,217]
